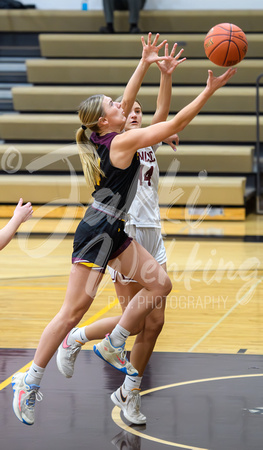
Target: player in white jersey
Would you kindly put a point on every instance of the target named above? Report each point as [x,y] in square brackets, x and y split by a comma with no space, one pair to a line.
[144,225]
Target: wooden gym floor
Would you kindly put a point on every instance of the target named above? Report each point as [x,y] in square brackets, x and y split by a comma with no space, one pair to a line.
[203,386]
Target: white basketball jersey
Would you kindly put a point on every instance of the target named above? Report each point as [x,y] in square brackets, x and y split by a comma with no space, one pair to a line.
[144,210]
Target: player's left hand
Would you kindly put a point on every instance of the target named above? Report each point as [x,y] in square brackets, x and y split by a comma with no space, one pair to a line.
[151,49]
[173,141]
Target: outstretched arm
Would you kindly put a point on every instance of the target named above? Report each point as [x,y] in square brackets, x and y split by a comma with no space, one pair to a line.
[124,145]
[21,214]
[166,67]
[149,55]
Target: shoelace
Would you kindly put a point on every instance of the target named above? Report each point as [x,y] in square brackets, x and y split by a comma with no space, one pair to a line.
[34,396]
[75,348]
[135,400]
[123,355]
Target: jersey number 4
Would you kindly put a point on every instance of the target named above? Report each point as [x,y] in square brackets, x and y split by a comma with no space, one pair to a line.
[146,176]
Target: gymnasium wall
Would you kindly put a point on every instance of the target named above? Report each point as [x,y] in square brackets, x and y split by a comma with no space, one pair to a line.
[153,4]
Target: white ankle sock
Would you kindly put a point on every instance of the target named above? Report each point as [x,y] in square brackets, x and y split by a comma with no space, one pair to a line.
[35,374]
[78,334]
[118,336]
[131,383]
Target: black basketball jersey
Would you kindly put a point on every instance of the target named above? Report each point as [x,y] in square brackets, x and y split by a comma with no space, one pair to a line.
[118,187]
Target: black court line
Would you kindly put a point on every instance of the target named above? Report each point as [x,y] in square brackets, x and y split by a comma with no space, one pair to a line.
[185,237]
[76,413]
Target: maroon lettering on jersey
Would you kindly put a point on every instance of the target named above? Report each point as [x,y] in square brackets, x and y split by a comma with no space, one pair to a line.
[147,156]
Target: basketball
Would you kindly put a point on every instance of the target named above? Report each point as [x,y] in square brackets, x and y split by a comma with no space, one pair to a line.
[225,44]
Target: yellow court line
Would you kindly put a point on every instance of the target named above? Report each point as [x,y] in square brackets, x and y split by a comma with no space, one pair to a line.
[8,380]
[87,322]
[100,313]
[33,288]
[55,288]
[42,288]
[116,417]
[116,412]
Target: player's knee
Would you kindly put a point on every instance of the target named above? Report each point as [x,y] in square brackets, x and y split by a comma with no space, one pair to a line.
[72,318]
[166,285]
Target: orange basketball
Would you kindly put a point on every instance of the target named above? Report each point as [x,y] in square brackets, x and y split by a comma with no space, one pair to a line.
[225,44]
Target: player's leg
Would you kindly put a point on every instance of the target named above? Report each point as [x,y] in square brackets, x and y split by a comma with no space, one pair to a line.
[76,338]
[79,336]
[82,287]
[146,339]
[127,397]
[138,264]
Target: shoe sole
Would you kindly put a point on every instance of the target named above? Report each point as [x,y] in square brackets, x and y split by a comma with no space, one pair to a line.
[123,370]
[116,402]
[60,367]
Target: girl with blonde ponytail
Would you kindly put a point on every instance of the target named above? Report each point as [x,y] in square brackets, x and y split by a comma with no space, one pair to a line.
[89,113]
[100,238]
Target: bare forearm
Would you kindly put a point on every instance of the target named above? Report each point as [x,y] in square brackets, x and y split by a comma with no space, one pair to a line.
[160,131]
[8,232]
[164,99]
[133,86]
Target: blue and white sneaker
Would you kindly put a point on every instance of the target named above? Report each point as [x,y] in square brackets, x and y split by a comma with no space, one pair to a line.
[25,397]
[115,356]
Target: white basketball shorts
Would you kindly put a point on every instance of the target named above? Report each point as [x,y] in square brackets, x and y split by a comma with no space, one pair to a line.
[151,239]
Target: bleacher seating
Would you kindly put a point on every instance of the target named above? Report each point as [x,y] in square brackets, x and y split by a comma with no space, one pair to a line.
[77,62]
[179,21]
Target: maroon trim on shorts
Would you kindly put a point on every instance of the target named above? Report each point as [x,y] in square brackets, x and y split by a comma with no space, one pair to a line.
[122,247]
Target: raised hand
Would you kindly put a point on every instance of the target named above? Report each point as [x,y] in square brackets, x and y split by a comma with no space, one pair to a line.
[213,83]
[151,49]
[168,65]
[23,212]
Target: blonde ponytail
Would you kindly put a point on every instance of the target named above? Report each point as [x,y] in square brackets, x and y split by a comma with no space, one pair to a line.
[89,113]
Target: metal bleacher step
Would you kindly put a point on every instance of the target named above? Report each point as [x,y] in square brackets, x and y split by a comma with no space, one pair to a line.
[6,100]
[15,44]
[13,70]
